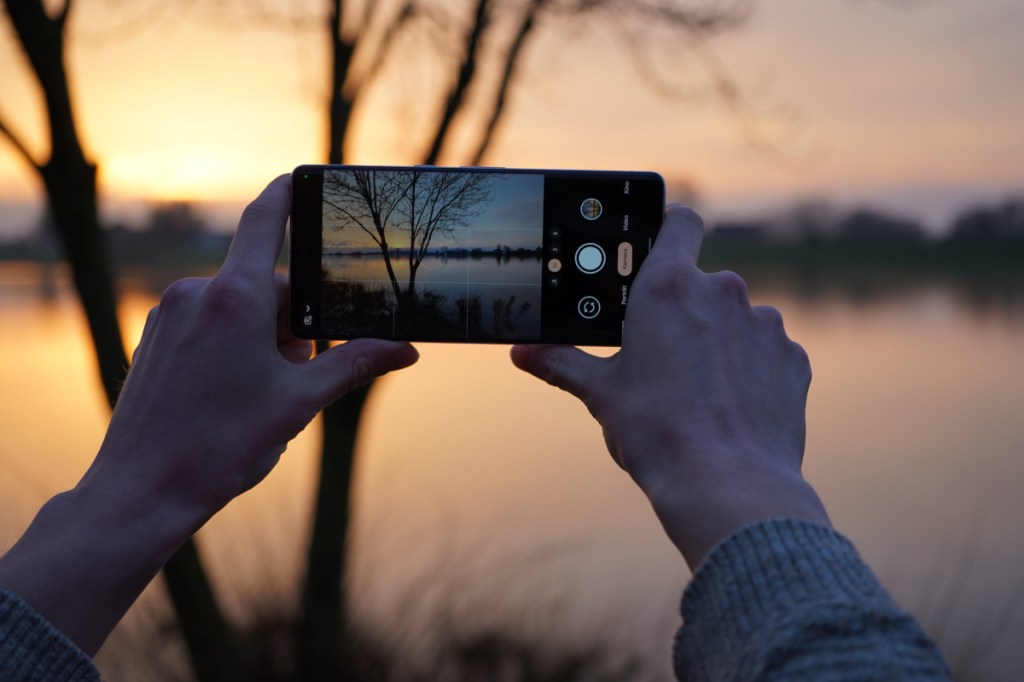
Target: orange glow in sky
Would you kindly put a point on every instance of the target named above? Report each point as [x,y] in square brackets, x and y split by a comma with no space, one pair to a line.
[919,108]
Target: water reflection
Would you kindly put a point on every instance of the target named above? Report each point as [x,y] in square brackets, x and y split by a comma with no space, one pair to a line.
[493,269]
[471,294]
[977,294]
[914,441]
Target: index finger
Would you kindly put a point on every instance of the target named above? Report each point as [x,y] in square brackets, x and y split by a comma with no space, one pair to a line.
[257,241]
[680,237]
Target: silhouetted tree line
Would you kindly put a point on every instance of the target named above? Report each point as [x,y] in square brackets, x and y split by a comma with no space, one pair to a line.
[502,252]
[818,253]
[819,234]
[175,233]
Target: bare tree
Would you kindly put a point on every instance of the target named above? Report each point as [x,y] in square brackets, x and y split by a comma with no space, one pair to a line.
[366,200]
[481,45]
[484,43]
[414,207]
[439,204]
[69,179]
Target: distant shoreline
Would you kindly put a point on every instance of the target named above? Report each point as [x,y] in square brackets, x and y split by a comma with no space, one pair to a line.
[440,253]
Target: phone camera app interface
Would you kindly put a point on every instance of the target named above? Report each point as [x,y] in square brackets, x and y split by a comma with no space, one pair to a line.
[602,229]
[472,255]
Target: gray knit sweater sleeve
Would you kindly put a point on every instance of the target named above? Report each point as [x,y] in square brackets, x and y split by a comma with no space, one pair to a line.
[791,600]
[32,649]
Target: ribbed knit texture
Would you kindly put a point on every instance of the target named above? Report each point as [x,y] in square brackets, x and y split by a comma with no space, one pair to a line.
[31,649]
[792,600]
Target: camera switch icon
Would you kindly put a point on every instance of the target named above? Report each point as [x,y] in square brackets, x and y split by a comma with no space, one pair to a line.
[588,307]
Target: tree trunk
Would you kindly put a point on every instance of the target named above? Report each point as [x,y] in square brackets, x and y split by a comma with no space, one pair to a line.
[70,182]
[320,642]
[410,290]
[71,193]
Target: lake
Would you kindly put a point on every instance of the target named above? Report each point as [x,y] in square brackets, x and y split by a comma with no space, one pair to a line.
[486,500]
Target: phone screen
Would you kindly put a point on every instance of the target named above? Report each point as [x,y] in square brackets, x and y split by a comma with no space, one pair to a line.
[468,254]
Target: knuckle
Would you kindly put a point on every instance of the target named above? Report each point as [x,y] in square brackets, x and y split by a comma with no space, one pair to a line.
[257,210]
[151,317]
[224,296]
[551,366]
[727,285]
[800,360]
[602,401]
[771,316]
[179,293]
[669,281]
[362,372]
[688,214]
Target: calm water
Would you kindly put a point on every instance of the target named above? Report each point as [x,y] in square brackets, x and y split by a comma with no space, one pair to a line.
[436,269]
[487,499]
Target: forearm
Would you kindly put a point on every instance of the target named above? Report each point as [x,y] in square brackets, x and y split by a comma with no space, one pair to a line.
[89,553]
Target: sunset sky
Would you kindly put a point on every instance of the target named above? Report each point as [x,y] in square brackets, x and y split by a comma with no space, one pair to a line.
[912,107]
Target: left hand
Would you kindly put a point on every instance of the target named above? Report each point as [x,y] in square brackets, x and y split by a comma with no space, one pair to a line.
[217,388]
[219,384]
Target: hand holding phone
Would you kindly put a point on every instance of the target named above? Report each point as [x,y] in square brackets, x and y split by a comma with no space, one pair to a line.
[479,255]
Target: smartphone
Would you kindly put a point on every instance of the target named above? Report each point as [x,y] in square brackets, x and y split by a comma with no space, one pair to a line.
[479,255]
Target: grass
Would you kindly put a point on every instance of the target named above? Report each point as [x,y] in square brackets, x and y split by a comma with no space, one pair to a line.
[359,310]
[447,638]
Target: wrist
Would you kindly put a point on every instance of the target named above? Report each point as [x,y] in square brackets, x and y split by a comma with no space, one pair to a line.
[139,476]
[700,512]
[90,552]
[141,514]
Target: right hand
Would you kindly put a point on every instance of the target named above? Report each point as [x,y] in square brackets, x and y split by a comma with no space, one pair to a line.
[704,404]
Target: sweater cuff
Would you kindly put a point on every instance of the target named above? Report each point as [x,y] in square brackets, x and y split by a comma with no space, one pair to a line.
[31,648]
[761,574]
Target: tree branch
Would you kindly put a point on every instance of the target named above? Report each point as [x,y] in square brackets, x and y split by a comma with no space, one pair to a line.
[369,10]
[694,28]
[148,18]
[637,47]
[702,21]
[384,46]
[62,15]
[508,77]
[18,145]
[467,72]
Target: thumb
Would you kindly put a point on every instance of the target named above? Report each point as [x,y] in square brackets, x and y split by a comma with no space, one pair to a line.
[566,367]
[343,368]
